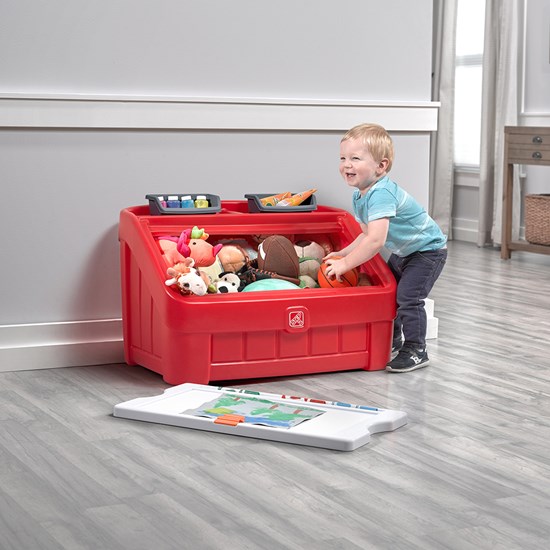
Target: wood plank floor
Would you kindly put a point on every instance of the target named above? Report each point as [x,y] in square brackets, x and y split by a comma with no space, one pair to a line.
[471,469]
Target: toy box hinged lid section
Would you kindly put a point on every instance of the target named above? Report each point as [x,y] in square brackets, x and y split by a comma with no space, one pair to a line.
[288,419]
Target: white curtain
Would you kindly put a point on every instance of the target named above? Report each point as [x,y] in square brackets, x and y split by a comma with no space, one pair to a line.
[442,143]
[500,108]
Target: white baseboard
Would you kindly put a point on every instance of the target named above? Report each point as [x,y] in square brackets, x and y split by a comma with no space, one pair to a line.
[465,230]
[61,344]
[82,343]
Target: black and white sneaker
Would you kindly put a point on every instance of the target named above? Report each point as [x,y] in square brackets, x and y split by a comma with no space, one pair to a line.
[396,345]
[408,359]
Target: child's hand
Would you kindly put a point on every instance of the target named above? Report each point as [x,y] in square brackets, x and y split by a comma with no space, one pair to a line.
[336,266]
[332,255]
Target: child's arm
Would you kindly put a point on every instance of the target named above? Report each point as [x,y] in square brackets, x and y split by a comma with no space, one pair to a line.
[345,251]
[361,250]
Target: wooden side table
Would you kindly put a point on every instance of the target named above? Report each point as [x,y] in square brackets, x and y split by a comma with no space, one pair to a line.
[522,145]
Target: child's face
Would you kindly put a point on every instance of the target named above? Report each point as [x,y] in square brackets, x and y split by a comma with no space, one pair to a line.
[357,166]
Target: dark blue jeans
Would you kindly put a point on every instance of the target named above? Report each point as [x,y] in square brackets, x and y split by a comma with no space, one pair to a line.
[415,275]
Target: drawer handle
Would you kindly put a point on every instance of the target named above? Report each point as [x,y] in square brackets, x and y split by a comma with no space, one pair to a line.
[537,155]
[537,139]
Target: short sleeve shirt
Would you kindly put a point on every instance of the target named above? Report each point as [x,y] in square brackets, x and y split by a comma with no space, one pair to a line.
[410,230]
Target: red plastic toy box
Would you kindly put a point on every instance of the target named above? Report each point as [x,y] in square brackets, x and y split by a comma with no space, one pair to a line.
[249,334]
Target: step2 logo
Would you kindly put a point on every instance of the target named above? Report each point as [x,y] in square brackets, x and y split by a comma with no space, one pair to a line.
[297,319]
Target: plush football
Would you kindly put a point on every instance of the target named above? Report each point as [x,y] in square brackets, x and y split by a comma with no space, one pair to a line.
[277,254]
[351,278]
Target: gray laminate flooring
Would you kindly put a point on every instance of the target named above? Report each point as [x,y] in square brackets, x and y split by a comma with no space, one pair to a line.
[471,469]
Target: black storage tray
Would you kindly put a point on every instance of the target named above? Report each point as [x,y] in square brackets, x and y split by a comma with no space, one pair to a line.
[156,208]
[254,204]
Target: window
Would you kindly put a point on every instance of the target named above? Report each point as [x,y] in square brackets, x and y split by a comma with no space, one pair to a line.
[468,81]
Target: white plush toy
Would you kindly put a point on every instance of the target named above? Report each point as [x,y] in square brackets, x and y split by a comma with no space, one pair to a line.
[228,282]
[189,283]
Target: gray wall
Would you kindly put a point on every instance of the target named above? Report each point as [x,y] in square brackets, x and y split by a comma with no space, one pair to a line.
[103,102]
[68,187]
[350,49]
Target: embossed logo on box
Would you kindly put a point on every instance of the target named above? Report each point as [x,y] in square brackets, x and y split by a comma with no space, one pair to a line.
[297,319]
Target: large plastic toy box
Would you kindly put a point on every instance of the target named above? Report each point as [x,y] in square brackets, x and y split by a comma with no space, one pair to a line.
[258,334]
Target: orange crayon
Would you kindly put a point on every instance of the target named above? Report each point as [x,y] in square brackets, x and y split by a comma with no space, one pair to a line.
[297,199]
[275,199]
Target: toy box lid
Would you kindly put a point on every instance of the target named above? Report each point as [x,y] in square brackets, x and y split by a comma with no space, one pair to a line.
[333,425]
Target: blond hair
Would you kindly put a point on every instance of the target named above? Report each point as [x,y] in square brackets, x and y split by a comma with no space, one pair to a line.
[376,139]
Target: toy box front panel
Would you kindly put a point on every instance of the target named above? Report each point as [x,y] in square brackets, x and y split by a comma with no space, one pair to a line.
[254,334]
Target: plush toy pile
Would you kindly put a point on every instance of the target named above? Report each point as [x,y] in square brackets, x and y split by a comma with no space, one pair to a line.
[269,262]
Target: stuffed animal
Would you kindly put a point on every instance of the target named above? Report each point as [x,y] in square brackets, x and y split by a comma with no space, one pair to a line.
[276,259]
[208,281]
[248,245]
[188,283]
[324,241]
[233,257]
[277,255]
[308,282]
[172,257]
[192,244]
[270,284]
[229,283]
[310,257]
[213,271]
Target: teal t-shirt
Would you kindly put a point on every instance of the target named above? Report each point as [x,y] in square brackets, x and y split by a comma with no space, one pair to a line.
[411,229]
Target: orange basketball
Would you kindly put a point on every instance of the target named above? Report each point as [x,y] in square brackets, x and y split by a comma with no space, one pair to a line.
[351,278]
